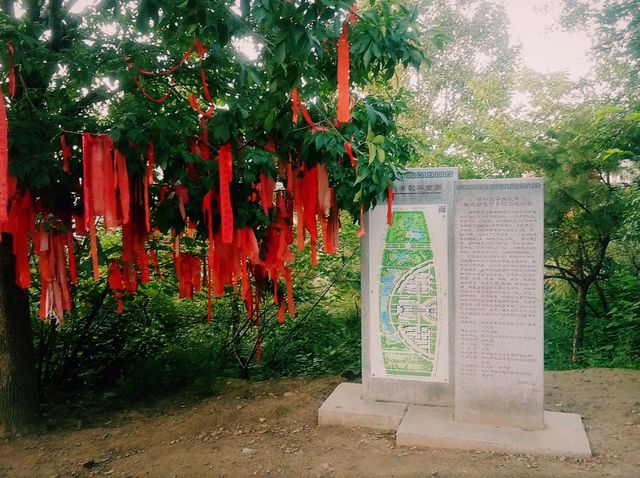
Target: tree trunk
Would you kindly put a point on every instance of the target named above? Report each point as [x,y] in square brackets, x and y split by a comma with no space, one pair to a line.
[19,406]
[581,316]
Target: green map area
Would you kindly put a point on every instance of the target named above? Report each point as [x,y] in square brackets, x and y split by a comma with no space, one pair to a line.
[409,312]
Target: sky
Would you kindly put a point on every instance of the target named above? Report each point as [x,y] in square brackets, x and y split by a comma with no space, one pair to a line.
[535,24]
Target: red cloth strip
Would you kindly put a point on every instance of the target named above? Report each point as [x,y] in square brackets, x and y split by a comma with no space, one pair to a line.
[349,151]
[151,158]
[389,204]
[66,154]
[123,185]
[4,161]
[199,48]
[12,72]
[205,87]
[267,185]
[225,161]
[160,99]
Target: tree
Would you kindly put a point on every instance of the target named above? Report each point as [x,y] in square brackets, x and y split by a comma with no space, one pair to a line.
[191,144]
[462,103]
[586,205]
[616,24]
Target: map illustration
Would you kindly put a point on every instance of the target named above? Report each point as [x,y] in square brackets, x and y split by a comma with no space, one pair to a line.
[409,309]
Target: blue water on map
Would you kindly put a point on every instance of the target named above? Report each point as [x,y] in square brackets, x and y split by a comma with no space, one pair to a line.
[386,323]
[415,235]
[387,283]
[385,293]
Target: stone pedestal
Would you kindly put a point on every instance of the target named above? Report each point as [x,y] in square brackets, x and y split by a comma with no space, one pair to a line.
[435,427]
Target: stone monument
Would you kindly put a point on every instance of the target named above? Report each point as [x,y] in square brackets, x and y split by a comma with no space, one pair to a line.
[452,322]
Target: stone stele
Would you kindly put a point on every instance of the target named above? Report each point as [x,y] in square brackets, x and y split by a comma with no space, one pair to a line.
[452,320]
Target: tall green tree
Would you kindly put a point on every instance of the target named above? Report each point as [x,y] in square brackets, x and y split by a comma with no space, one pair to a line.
[110,70]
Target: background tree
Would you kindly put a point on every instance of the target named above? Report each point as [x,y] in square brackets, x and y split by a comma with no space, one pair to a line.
[586,203]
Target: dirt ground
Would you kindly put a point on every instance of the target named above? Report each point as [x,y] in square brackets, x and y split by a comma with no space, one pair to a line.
[269,429]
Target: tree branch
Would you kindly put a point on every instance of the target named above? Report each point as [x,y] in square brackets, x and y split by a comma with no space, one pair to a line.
[566,273]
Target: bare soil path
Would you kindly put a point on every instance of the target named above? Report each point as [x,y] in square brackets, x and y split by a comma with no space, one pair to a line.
[248,429]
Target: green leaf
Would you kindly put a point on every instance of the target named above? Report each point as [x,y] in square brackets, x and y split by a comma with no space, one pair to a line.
[372,152]
[379,139]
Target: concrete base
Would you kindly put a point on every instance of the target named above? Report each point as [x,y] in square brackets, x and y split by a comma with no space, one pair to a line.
[345,407]
[420,426]
[435,427]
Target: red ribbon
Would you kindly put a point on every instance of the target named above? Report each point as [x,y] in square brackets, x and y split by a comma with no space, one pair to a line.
[123,185]
[389,204]
[267,185]
[160,99]
[225,164]
[194,105]
[349,151]
[12,73]
[89,215]
[297,106]
[207,213]
[55,298]
[4,161]
[66,154]
[197,46]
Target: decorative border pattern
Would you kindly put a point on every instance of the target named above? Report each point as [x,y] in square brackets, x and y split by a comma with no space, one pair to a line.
[495,187]
[426,174]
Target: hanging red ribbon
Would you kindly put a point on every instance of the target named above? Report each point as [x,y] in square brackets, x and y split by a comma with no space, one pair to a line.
[66,154]
[207,213]
[55,298]
[12,72]
[298,106]
[267,185]
[20,224]
[151,161]
[194,105]
[4,161]
[389,204]
[205,87]
[310,204]
[147,210]
[160,99]
[349,151]
[324,192]
[225,161]
[199,48]
[120,163]
[343,114]
[89,215]
[295,101]
[116,284]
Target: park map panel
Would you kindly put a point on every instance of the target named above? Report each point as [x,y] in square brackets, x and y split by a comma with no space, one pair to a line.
[409,311]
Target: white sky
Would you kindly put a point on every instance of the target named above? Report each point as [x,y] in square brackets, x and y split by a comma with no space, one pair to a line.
[535,24]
